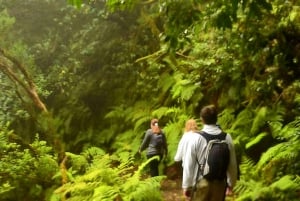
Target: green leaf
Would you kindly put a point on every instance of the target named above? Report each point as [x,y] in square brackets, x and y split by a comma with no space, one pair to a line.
[256,140]
[76,3]
[259,121]
[286,183]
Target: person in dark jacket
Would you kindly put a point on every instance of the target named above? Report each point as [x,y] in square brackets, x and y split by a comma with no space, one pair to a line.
[156,144]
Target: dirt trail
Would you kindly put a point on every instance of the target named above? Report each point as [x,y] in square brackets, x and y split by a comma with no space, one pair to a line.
[171,190]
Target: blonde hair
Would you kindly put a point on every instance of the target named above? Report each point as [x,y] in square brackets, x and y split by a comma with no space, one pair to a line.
[154,126]
[191,125]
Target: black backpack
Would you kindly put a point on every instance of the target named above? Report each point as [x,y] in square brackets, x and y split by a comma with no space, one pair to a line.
[216,157]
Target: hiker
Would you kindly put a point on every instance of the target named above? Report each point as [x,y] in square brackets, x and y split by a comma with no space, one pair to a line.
[196,183]
[156,144]
[187,140]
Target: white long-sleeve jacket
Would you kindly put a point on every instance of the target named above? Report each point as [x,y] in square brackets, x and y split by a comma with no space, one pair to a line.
[190,151]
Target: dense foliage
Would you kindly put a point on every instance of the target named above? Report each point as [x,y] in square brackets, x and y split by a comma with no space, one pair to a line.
[80,84]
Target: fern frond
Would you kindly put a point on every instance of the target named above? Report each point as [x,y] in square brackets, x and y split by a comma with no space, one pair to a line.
[3,139]
[116,112]
[174,132]
[259,120]
[166,81]
[6,187]
[105,193]
[285,188]
[275,128]
[270,154]
[297,98]
[147,190]
[291,131]
[76,191]
[160,112]
[138,173]
[93,151]
[226,118]
[183,88]
[280,154]
[126,142]
[139,123]
[256,140]
[243,121]
[245,188]
[163,111]
[111,177]
[141,114]
[276,114]
[287,183]
[79,162]
[126,158]
[247,167]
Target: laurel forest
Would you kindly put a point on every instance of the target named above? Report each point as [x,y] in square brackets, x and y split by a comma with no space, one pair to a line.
[80,81]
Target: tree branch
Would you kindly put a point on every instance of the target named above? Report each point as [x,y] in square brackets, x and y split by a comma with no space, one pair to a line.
[30,87]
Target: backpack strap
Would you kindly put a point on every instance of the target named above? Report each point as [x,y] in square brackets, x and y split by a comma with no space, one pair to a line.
[208,137]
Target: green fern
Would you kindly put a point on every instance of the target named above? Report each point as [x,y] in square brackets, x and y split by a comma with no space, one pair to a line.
[246,189]
[273,153]
[256,140]
[147,190]
[274,176]
[287,182]
[140,122]
[105,193]
[117,112]
[226,118]
[141,115]
[92,152]
[247,167]
[172,112]
[137,187]
[166,82]
[25,168]
[289,132]
[243,121]
[109,178]
[284,189]
[259,120]
[284,153]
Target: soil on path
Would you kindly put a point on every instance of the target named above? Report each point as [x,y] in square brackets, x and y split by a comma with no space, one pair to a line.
[171,190]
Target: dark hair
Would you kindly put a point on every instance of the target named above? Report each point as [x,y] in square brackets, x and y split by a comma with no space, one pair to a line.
[209,114]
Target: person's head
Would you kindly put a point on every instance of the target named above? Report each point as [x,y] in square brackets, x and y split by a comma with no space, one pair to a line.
[154,126]
[190,125]
[209,114]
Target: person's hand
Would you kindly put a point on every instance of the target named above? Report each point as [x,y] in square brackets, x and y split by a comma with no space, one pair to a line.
[187,193]
[229,191]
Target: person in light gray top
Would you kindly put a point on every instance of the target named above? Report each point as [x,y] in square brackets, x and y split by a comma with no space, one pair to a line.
[186,148]
[191,151]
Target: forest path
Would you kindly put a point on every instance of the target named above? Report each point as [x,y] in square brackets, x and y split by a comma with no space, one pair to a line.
[171,190]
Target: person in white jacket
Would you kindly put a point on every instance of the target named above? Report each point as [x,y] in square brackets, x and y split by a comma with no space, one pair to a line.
[186,148]
[191,150]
